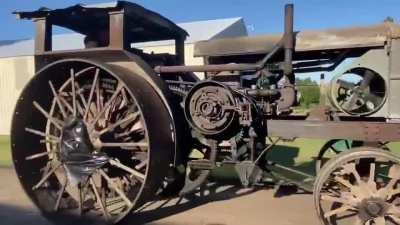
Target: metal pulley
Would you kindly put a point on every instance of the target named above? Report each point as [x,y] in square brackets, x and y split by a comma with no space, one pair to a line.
[210,108]
[359,91]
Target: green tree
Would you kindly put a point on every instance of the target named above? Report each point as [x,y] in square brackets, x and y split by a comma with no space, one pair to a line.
[389,19]
[310,92]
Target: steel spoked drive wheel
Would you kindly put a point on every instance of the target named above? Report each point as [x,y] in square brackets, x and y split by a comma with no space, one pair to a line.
[86,144]
[359,187]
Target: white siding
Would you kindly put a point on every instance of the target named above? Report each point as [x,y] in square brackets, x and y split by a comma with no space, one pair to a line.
[15,73]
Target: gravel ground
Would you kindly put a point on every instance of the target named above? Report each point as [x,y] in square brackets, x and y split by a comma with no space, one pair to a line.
[223,205]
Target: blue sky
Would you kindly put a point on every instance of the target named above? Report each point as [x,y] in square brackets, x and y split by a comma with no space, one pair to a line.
[261,16]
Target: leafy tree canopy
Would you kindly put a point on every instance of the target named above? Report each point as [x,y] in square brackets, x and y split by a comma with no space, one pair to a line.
[389,19]
[310,92]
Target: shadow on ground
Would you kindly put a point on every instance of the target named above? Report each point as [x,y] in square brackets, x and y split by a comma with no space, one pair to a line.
[13,215]
[156,210]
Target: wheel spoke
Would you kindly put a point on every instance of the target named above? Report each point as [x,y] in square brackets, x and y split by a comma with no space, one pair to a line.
[141,165]
[128,119]
[72,74]
[393,210]
[334,149]
[389,190]
[53,90]
[130,131]
[115,188]
[108,104]
[124,98]
[65,102]
[81,97]
[36,156]
[98,198]
[392,193]
[46,177]
[55,121]
[342,200]
[371,179]
[348,146]
[60,194]
[98,99]
[48,141]
[379,221]
[92,89]
[39,133]
[135,173]
[350,168]
[80,108]
[80,198]
[353,189]
[338,211]
[395,219]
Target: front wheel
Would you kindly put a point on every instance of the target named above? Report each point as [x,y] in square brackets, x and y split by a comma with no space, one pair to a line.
[358,187]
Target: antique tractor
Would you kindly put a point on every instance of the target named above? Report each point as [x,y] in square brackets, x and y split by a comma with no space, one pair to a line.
[102,130]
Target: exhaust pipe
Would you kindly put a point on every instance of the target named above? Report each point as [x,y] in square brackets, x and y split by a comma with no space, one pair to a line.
[288,43]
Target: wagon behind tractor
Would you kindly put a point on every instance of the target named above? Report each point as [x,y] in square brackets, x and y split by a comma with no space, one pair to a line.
[100,131]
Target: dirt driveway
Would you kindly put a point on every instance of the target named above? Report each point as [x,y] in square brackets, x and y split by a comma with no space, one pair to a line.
[224,205]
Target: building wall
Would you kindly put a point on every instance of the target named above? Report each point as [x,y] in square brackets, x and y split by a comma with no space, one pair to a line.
[15,72]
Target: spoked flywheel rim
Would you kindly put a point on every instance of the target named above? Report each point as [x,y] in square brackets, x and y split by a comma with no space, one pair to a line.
[93,154]
[359,187]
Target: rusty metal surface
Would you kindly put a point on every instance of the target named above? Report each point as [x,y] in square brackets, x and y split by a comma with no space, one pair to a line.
[142,24]
[355,37]
[207,68]
[360,130]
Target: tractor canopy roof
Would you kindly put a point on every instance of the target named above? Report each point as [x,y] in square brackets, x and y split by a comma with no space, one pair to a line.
[141,25]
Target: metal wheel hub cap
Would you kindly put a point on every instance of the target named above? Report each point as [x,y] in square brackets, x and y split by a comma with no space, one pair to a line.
[373,207]
[77,152]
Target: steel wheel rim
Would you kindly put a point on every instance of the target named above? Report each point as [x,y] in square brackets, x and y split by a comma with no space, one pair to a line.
[352,203]
[91,182]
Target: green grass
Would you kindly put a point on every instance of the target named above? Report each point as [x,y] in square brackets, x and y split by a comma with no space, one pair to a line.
[298,154]
[5,152]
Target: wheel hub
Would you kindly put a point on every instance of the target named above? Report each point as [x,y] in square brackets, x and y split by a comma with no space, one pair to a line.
[77,152]
[373,208]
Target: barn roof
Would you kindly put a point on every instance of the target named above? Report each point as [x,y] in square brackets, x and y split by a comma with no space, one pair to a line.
[198,31]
